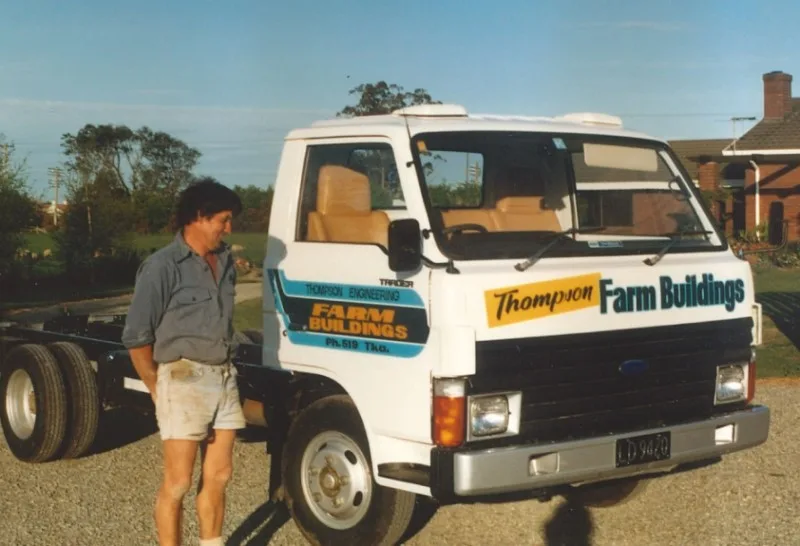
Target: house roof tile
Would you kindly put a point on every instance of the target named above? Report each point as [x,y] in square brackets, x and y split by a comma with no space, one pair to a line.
[774,134]
[687,150]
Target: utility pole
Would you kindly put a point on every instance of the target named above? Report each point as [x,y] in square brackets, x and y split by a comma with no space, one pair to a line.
[55,172]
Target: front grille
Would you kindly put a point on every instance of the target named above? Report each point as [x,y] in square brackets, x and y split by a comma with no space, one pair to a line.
[572,387]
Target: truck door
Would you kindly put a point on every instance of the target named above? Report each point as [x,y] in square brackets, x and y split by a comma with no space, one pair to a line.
[340,310]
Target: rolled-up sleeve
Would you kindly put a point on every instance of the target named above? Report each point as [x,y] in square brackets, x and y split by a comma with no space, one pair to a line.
[147,305]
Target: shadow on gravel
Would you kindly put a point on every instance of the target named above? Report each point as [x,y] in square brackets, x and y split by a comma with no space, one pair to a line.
[120,427]
[571,525]
[784,310]
[260,526]
[424,511]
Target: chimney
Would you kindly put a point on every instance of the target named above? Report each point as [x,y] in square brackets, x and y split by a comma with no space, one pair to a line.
[777,94]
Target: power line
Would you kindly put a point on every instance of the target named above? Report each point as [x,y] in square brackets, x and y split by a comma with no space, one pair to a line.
[686,115]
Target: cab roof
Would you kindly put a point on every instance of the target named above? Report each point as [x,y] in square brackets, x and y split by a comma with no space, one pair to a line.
[454,117]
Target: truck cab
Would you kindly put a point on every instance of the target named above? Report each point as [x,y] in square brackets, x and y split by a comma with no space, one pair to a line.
[489,305]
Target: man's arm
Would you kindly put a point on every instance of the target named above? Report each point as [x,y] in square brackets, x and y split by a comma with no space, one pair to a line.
[150,297]
[145,366]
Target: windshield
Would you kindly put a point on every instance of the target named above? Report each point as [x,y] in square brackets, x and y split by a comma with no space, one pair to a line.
[505,195]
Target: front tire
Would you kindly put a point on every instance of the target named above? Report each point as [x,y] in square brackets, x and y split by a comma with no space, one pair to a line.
[329,487]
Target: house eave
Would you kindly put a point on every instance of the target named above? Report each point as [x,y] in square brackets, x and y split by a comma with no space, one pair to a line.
[750,153]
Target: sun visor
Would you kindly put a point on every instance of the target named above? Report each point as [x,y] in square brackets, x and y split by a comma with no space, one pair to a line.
[612,156]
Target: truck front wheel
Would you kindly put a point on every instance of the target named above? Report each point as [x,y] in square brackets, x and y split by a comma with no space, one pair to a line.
[328,482]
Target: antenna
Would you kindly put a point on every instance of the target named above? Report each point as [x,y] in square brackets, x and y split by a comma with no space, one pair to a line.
[734,119]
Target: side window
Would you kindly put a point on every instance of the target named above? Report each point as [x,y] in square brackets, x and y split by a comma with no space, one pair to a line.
[346,189]
[454,179]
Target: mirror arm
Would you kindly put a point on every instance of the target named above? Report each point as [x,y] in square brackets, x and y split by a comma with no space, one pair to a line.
[448,266]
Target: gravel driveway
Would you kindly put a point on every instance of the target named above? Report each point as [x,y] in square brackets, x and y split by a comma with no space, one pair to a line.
[106,499]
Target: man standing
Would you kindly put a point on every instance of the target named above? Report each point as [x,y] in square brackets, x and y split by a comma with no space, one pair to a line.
[178,332]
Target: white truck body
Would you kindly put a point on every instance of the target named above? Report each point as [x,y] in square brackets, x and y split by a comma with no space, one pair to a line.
[428,323]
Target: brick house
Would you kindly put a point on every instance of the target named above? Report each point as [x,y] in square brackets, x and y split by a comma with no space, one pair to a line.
[760,169]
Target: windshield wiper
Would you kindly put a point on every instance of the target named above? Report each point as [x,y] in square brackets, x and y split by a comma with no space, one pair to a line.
[673,238]
[525,264]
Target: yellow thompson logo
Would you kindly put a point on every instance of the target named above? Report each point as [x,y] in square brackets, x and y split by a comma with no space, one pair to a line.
[514,304]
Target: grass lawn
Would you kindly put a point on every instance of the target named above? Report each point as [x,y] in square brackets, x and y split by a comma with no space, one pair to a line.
[779,293]
[777,290]
[254,250]
[248,315]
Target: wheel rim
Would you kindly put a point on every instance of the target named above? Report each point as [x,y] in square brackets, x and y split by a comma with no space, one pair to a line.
[21,404]
[337,483]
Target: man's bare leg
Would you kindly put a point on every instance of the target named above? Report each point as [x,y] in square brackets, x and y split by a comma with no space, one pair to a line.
[216,473]
[179,457]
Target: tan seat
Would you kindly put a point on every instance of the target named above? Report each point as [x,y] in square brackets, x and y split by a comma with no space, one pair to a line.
[483,217]
[524,214]
[344,209]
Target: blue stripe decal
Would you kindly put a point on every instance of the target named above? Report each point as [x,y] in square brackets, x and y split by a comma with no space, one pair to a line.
[386,295]
[286,292]
[358,345]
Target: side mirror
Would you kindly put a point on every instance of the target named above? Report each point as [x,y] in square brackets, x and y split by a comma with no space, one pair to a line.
[405,245]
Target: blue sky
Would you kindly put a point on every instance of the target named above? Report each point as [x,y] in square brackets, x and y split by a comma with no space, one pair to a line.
[231,78]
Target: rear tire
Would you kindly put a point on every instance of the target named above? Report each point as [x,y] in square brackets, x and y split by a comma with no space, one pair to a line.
[33,403]
[327,468]
[83,398]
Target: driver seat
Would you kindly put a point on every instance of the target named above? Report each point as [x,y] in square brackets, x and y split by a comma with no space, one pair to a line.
[344,209]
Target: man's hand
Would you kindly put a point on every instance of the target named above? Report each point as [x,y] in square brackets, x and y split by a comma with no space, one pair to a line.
[146,368]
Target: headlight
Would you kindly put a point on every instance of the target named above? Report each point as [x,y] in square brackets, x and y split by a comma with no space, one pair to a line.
[732,383]
[489,415]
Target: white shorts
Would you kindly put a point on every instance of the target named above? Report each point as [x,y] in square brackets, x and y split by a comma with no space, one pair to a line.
[193,398]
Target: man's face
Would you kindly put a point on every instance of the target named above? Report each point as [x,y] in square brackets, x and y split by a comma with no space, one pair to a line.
[215,228]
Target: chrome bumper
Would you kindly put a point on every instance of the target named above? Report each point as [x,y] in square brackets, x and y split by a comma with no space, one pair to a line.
[514,469]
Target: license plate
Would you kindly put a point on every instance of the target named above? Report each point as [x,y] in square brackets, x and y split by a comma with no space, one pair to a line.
[643,449]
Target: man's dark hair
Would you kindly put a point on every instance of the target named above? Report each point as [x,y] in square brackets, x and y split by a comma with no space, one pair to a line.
[206,197]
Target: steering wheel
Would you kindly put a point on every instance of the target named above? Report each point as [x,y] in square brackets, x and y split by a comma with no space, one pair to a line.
[465,227]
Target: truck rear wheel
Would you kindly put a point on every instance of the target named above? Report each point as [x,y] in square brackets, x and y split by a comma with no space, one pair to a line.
[33,412]
[329,487]
[82,396]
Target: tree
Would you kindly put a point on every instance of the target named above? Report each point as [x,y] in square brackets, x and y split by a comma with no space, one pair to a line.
[383,98]
[374,99]
[148,168]
[18,209]
[256,206]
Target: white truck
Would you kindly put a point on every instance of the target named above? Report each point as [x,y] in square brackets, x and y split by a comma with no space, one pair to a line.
[462,306]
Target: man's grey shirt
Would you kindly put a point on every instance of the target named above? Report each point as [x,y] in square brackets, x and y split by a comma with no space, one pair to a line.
[179,309]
